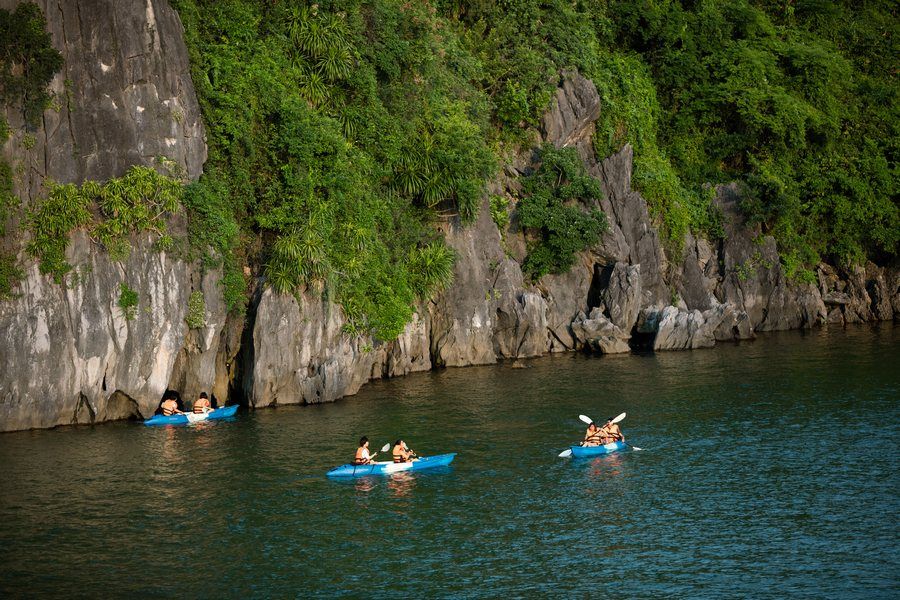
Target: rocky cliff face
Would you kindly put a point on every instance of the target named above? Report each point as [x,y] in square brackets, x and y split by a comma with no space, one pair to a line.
[68,354]
[123,97]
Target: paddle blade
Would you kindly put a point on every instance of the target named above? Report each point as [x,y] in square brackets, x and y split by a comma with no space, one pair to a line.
[386,447]
[585,419]
[619,418]
[566,453]
[636,448]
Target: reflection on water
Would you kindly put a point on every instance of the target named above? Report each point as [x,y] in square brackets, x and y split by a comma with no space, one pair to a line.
[365,484]
[742,484]
[401,484]
[605,467]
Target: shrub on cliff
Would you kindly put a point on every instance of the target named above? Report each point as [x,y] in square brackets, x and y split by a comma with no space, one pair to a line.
[554,207]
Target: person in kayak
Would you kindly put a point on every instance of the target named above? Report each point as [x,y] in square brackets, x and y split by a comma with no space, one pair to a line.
[610,432]
[201,404]
[592,436]
[173,396]
[362,453]
[402,453]
[169,407]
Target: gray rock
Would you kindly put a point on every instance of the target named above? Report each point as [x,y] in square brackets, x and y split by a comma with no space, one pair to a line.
[199,365]
[570,119]
[462,317]
[599,334]
[735,325]
[302,355]
[682,330]
[632,238]
[836,298]
[123,97]
[751,277]
[836,316]
[618,288]
[69,355]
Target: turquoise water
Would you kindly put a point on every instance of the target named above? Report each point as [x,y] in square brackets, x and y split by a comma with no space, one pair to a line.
[769,468]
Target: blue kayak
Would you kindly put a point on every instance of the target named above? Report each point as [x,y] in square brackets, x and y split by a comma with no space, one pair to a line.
[386,468]
[187,418]
[582,451]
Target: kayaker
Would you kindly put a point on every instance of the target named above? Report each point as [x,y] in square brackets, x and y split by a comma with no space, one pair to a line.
[401,452]
[362,453]
[592,436]
[169,407]
[170,395]
[201,404]
[610,432]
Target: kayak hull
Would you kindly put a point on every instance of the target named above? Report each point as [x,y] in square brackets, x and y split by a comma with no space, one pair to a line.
[582,451]
[188,418]
[386,468]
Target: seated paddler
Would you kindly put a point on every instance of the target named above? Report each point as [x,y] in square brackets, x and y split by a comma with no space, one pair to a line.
[202,404]
[592,437]
[169,407]
[362,453]
[610,432]
[402,453]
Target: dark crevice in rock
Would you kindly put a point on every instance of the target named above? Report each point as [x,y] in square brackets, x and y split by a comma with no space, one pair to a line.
[83,402]
[642,341]
[558,339]
[599,283]
[241,387]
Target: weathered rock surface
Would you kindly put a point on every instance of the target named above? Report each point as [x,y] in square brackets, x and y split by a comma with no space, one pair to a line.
[69,355]
[301,354]
[632,238]
[124,96]
[599,334]
[677,329]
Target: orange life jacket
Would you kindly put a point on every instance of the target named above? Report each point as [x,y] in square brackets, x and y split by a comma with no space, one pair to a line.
[592,437]
[400,454]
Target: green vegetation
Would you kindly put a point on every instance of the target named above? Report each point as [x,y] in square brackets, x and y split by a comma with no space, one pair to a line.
[136,202]
[27,60]
[10,275]
[196,316]
[128,301]
[338,132]
[551,206]
[500,213]
[798,100]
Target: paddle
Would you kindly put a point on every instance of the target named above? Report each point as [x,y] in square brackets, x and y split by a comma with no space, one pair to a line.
[384,448]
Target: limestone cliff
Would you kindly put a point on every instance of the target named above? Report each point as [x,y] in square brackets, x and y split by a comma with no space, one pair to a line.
[68,354]
[123,97]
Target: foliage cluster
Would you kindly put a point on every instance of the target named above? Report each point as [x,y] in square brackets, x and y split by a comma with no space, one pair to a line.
[28,61]
[500,212]
[128,301]
[136,202]
[196,315]
[10,275]
[798,100]
[552,206]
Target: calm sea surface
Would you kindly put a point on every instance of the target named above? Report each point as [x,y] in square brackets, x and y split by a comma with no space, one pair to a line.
[768,468]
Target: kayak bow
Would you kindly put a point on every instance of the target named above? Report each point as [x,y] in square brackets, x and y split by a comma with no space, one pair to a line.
[386,468]
[187,418]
